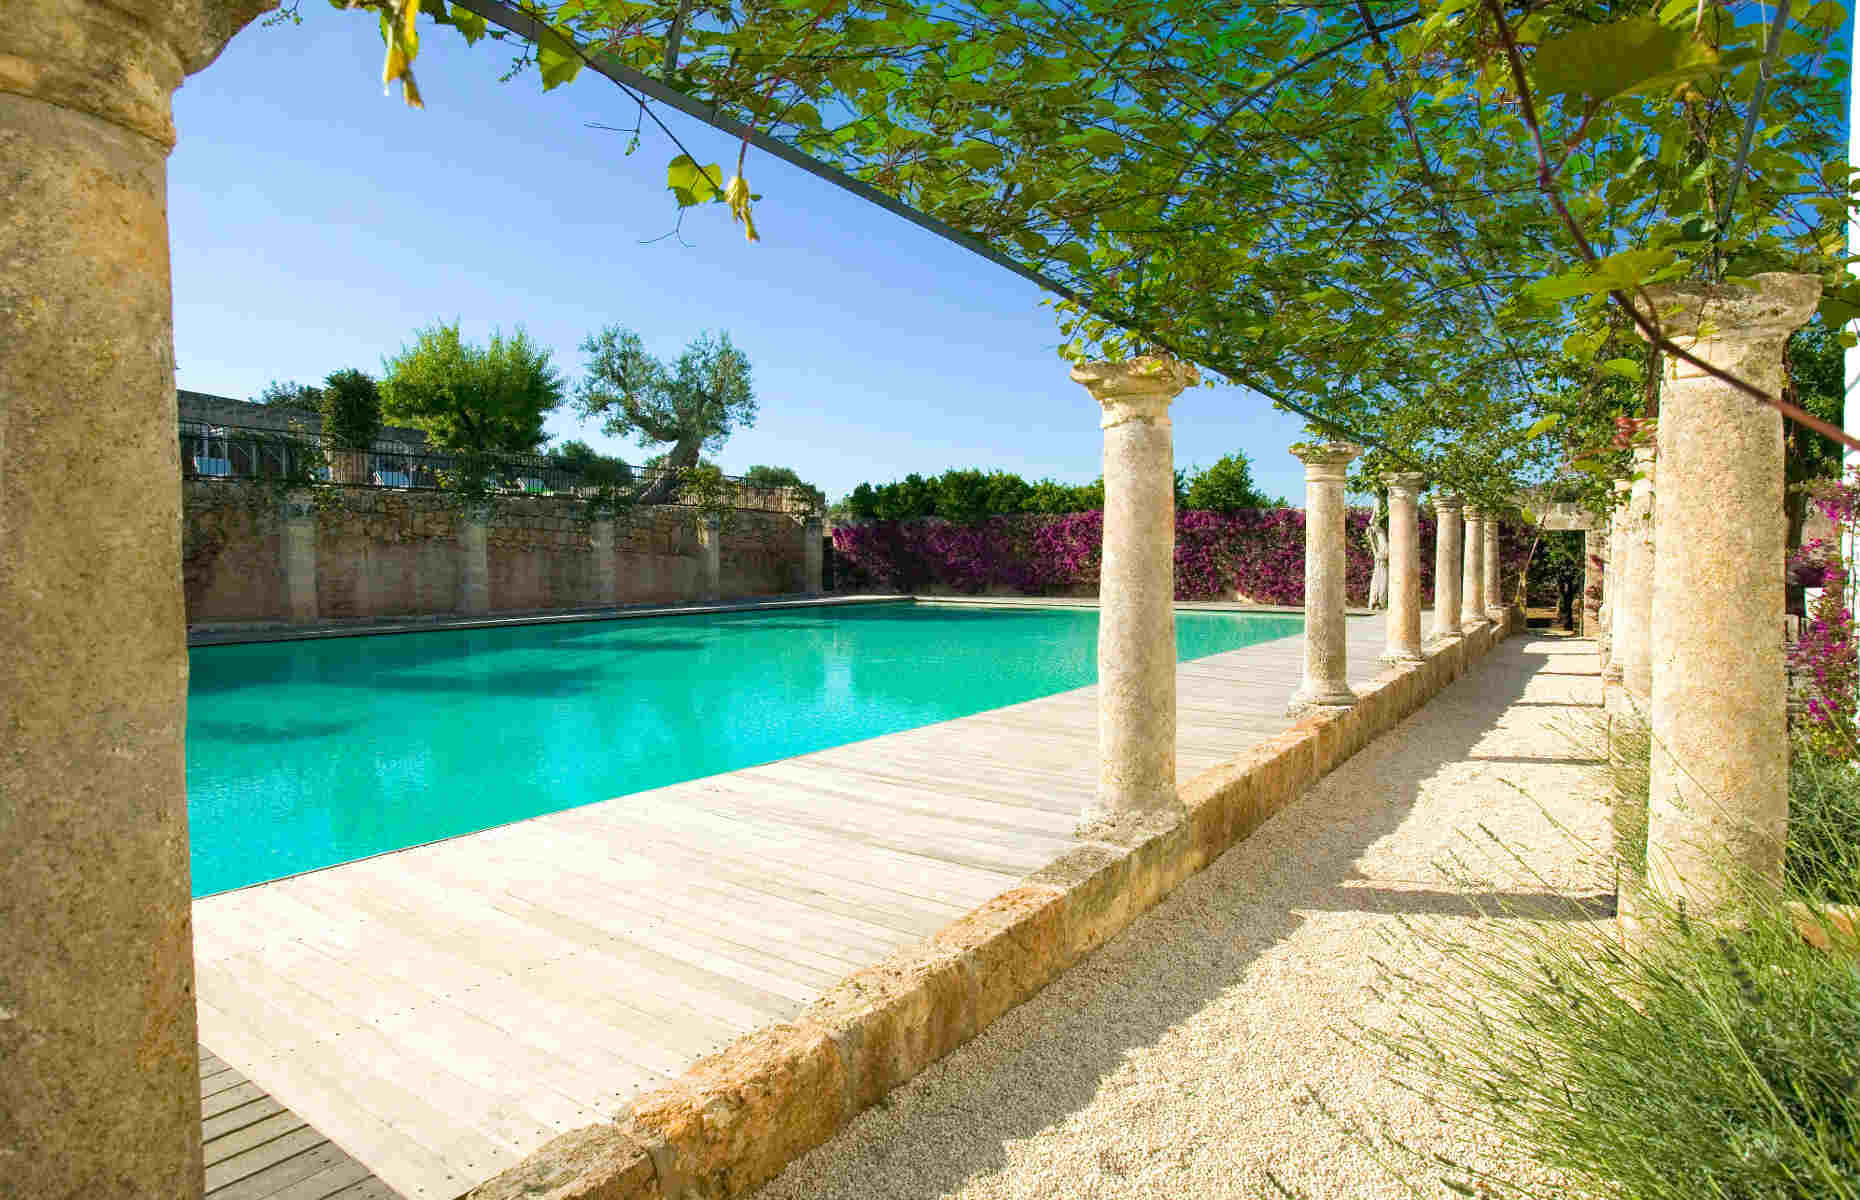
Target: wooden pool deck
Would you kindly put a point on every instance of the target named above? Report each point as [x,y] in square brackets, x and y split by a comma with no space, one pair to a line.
[440,1012]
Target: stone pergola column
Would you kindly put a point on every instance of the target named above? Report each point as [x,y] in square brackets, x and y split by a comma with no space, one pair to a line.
[812,555]
[297,556]
[99,1091]
[606,579]
[710,558]
[1326,679]
[1136,594]
[1719,801]
[1449,537]
[1493,589]
[1472,573]
[1613,581]
[1634,618]
[475,560]
[1404,630]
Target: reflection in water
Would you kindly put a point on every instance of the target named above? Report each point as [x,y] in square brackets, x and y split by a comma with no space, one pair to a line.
[305,754]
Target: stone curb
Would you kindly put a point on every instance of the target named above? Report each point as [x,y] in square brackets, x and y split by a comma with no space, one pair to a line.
[738,1117]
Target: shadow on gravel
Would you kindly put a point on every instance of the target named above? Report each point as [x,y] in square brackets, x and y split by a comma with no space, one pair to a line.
[1048,1059]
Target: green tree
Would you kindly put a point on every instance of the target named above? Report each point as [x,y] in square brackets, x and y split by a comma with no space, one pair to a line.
[590,464]
[478,400]
[692,405]
[774,477]
[1227,486]
[1817,381]
[350,405]
[300,397]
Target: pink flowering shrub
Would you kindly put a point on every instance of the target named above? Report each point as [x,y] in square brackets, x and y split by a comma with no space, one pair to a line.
[1258,554]
[1824,654]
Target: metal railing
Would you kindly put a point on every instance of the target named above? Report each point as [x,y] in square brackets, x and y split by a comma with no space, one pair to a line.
[234,452]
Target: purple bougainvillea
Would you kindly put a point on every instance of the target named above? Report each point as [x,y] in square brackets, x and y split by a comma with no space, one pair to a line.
[1824,654]
[1258,555]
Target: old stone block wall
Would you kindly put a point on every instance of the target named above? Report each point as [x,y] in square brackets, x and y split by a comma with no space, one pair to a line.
[230,552]
[389,553]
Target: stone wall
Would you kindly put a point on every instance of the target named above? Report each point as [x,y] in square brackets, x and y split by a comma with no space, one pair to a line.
[387,553]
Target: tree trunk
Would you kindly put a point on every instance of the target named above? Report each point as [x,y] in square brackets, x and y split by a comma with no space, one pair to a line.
[663,488]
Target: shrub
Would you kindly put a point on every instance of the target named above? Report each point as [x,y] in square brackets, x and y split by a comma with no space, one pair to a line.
[1226,487]
[350,404]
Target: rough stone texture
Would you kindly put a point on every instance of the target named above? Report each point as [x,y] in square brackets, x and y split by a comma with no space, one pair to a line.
[1136,624]
[1634,618]
[1594,563]
[737,1117]
[1404,637]
[600,1162]
[1613,582]
[474,566]
[1449,545]
[1324,681]
[710,558]
[1719,797]
[813,555]
[1491,591]
[296,559]
[1472,572]
[380,552]
[604,570]
[98,1081]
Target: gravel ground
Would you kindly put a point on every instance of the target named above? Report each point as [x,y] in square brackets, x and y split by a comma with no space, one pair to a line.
[1179,1060]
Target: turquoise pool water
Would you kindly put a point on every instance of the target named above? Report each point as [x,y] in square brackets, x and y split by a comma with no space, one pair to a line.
[306,754]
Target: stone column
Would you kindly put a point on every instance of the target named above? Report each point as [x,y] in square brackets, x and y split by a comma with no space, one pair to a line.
[710,558]
[1492,591]
[812,553]
[99,1093]
[1449,537]
[474,560]
[1136,593]
[1634,618]
[1404,635]
[606,579]
[1326,680]
[297,556]
[1472,573]
[1719,800]
[1613,581]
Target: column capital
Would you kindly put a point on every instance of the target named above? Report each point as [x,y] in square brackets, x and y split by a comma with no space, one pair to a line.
[1135,389]
[120,62]
[1407,482]
[1446,502]
[1475,512]
[1723,323]
[1325,460]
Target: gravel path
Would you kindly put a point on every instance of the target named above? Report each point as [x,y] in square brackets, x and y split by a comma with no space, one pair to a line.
[1178,1060]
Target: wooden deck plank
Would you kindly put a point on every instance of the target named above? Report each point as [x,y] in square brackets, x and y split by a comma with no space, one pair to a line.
[441,1011]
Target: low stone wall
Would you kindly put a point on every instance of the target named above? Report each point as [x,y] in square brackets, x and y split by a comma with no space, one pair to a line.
[736,1118]
[385,553]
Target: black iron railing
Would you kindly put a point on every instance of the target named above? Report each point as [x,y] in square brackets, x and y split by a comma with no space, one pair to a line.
[236,452]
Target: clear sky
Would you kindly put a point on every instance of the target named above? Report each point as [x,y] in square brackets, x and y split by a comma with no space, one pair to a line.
[317,224]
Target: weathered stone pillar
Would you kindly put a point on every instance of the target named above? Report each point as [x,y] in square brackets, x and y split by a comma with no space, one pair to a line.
[1404,633]
[1594,563]
[1136,593]
[1492,591]
[606,577]
[812,555]
[1449,539]
[1634,618]
[1719,801]
[99,1092]
[297,556]
[474,560]
[710,558]
[1472,573]
[1326,680]
[1613,581]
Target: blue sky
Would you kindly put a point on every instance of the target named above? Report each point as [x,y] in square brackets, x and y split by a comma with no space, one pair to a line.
[316,224]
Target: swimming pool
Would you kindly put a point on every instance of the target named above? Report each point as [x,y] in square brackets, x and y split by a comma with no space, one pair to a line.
[309,753]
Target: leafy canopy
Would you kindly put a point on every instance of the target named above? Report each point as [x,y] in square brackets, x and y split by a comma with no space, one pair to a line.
[1413,222]
[476,399]
[350,405]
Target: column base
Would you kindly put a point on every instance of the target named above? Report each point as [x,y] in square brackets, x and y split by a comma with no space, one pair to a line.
[1471,627]
[1300,703]
[1402,656]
